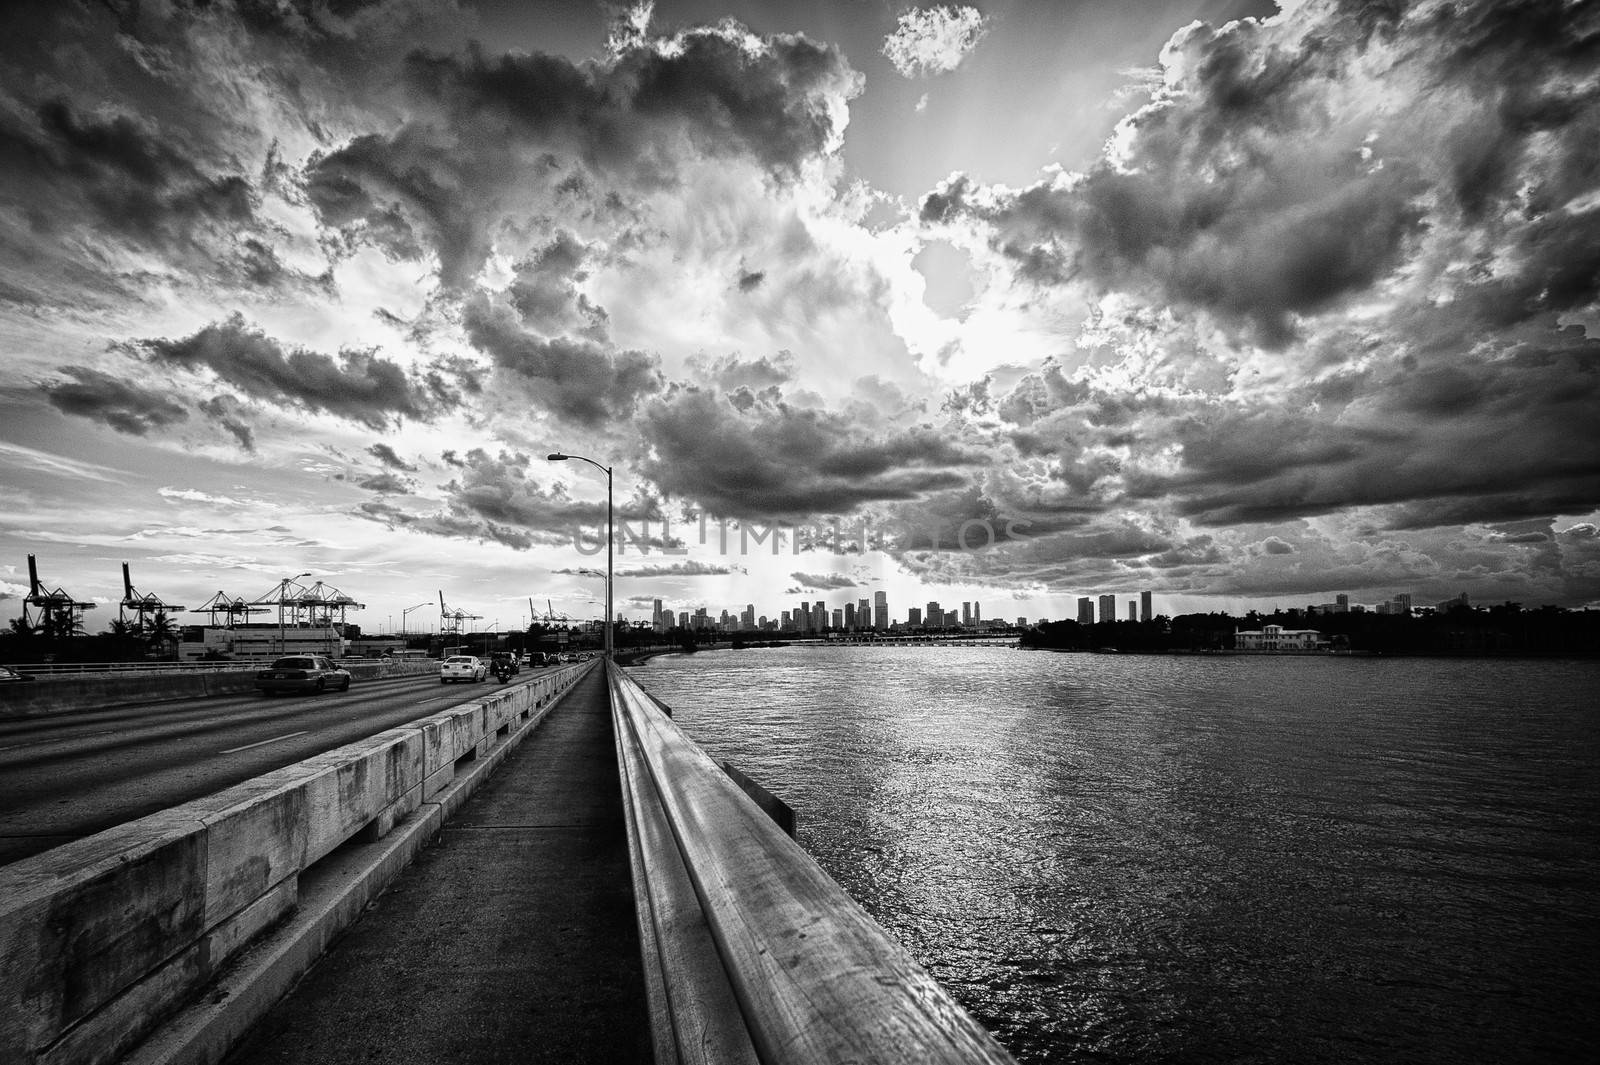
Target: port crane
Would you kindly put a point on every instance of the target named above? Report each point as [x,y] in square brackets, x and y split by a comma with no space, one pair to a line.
[450,620]
[230,609]
[144,607]
[549,617]
[298,605]
[59,613]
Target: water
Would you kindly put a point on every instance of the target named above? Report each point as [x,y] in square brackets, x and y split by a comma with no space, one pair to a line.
[1118,858]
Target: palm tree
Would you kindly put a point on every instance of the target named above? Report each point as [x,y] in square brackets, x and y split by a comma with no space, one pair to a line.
[120,628]
[23,628]
[161,632]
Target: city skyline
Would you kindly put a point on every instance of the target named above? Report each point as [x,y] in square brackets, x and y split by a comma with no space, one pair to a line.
[1248,305]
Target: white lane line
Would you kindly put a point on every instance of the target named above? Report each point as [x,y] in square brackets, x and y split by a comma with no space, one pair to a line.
[263,743]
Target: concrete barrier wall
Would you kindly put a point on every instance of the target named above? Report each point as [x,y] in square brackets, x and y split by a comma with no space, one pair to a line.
[104,937]
[752,953]
[48,693]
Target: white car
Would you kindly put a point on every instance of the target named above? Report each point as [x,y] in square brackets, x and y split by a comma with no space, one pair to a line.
[463,667]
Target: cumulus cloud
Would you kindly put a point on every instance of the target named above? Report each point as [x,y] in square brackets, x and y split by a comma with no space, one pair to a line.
[934,40]
[525,132]
[581,380]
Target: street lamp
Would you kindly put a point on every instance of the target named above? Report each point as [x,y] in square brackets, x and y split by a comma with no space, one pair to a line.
[610,525]
[283,591]
[407,613]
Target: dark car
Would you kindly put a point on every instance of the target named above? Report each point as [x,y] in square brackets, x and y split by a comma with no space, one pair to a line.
[302,673]
[506,662]
[11,676]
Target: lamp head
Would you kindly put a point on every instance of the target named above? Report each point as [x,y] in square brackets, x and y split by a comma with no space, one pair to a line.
[557,457]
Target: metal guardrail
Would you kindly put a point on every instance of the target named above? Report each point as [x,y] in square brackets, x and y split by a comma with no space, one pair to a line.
[752,952]
[53,668]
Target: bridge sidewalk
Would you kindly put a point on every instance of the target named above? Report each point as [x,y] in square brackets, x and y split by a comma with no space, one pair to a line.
[511,939]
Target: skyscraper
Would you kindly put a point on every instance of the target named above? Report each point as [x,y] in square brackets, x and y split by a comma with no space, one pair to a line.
[656,621]
[880,610]
[1108,608]
[1144,606]
[1085,610]
[966,613]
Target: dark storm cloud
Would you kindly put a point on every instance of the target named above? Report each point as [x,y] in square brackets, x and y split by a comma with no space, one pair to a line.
[125,407]
[581,380]
[513,129]
[779,461]
[110,176]
[358,385]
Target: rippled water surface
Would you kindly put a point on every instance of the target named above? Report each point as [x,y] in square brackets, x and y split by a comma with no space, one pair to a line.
[1118,858]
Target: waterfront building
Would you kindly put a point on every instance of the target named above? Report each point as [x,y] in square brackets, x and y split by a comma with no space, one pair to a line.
[850,616]
[1108,608]
[966,613]
[977,613]
[783,621]
[1022,623]
[934,614]
[1278,638]
[1341,603]
[683,619]
[656,620]
[819,614]
[1145,613]
[880,610]
[914,617]
[1133,610]
[1085,610]
[863,614]
[838,618]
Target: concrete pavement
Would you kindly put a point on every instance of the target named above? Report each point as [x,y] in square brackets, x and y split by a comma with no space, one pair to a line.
[511,939]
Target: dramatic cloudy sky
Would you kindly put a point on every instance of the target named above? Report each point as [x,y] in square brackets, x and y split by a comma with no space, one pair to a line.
[1238,303]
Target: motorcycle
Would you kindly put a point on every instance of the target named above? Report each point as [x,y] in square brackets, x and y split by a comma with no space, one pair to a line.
[502,672]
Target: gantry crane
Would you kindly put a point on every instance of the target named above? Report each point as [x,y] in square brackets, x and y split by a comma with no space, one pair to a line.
[450,620]
[59,613]
[298,605]
[231,609]
[145,607]
[550,616]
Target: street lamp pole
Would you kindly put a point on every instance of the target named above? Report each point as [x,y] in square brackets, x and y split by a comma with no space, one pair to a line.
[610,536]
[405,613]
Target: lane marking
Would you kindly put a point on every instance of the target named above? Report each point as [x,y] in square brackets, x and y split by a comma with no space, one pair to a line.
[263,743]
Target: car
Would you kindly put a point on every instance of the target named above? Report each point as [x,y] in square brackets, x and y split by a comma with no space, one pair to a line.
[302,673]
[506,659]
[463,667]
[11,676]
